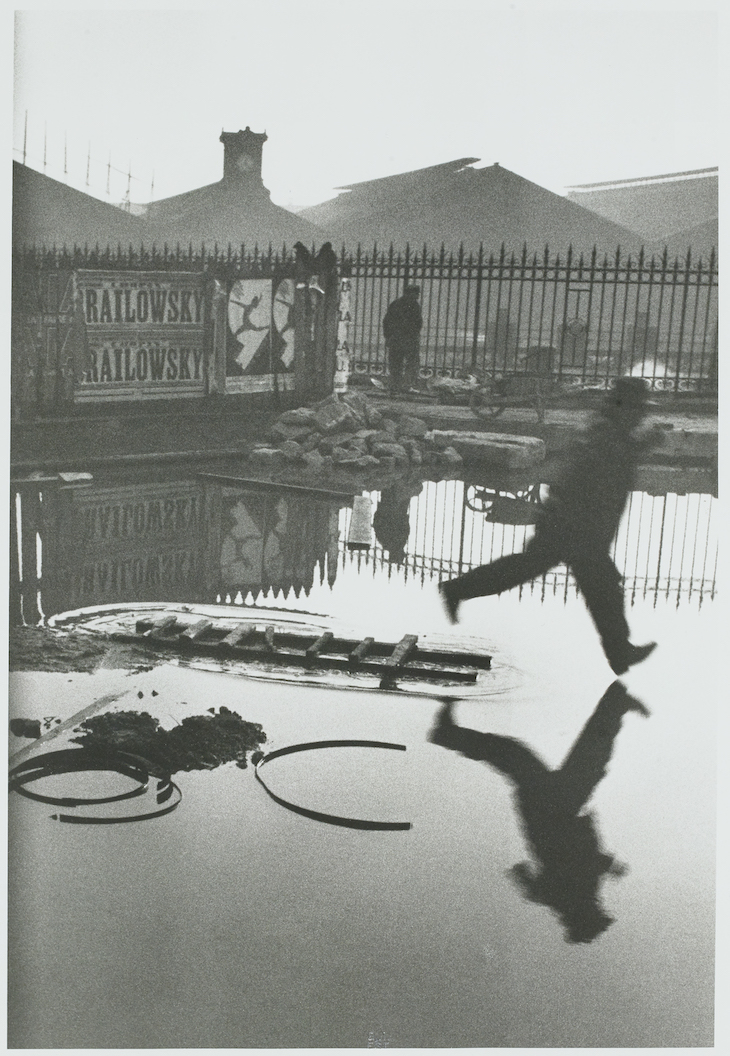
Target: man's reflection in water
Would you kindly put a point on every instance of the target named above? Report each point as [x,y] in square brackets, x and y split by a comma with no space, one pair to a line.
[391,522]
[569,863]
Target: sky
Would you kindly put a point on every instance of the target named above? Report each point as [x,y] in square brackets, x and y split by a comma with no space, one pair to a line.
[561,93]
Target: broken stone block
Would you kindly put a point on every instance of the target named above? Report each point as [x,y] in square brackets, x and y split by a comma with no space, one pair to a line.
[333,418]
[299,416]
[493,449]
[450,457]
[373,417]
[313,460]
[396,451]
[367,462]
[312,441]
[390,426]
[413,448]
[281,431]
[436,441]
[410,426]
[357,403]
[267,456]
[380,436]
[341,456]
[291,450]
[358,445]
[325,445]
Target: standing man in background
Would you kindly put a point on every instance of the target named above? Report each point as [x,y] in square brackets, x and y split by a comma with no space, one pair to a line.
[402,324]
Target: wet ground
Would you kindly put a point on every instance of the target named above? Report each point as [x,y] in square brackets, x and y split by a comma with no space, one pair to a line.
[234,922]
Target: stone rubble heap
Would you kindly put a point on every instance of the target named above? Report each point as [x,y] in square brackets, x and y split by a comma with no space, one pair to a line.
[345,432]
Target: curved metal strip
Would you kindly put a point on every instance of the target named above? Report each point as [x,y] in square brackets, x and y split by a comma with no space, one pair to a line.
[315,815]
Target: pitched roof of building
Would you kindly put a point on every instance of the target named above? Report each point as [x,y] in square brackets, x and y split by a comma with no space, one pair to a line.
[454,203]
[235,210]
[701,239]
[47,212]
[656,207]
[225,213]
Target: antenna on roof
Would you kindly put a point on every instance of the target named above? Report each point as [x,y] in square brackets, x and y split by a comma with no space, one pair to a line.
[152,186]
[127,202]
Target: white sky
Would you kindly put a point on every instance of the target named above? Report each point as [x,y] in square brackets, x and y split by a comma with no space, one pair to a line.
[562,93]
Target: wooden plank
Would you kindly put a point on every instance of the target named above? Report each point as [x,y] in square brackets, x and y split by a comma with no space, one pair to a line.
[360,651]
[67,724]
[317,647]
[196,630]
[238,634]
[403,651]
[360,535]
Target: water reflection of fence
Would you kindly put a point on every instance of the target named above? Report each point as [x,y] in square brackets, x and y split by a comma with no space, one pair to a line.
[666,546]
[187,541]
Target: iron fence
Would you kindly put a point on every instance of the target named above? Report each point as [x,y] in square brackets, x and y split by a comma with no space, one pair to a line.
[574,318]
[577,318]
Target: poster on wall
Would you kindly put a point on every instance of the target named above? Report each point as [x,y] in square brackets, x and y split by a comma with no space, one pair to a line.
[144,335]
[260,336]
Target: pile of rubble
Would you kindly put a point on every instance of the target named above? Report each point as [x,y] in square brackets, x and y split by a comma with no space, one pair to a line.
[346,433]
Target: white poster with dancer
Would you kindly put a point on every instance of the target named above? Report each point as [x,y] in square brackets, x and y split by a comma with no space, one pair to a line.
[249,324]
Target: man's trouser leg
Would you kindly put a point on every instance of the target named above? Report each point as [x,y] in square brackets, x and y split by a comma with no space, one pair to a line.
[600,584]
[396,360]
[412,364]
[540,555]
[587,761]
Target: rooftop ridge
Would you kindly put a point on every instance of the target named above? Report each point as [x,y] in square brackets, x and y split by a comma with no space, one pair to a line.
[637,180]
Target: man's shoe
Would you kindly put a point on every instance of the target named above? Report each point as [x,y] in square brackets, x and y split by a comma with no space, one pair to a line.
[634,655]
[451,605]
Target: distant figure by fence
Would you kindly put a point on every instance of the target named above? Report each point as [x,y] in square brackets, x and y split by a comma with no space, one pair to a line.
[402,325]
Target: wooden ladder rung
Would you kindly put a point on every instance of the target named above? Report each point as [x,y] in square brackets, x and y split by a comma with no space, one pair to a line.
[196,630]
[361,650]
[160,626]
[317,647]
[403,651]
[238,635]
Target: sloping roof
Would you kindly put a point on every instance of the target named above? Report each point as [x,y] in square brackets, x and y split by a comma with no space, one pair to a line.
[655,207]
[47,212]
[454,203]
[701,239]
[445,168]
[225,212]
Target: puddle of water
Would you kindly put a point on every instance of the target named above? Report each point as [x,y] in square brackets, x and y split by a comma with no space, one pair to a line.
[233,922]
